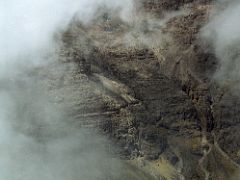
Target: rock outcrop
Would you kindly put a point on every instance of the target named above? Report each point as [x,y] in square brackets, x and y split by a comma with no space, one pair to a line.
[159,104]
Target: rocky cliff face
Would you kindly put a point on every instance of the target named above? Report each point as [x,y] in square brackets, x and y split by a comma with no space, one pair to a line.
[154,97]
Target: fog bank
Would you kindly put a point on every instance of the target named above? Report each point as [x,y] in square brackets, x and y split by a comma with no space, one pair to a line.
[35,139]
[223,33]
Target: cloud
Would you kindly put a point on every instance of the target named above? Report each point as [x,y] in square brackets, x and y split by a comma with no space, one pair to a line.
[36,142]
[223,33]
[29,25]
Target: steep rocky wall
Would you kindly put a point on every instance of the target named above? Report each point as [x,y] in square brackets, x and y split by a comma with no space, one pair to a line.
[158,6]
[160,105]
